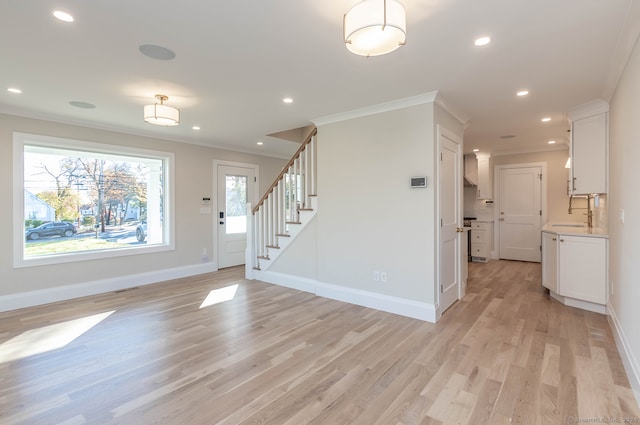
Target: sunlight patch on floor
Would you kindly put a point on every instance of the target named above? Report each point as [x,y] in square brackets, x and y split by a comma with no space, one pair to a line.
[220,295]
[48,338]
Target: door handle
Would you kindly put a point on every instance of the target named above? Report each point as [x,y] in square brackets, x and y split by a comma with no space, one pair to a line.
[459,230]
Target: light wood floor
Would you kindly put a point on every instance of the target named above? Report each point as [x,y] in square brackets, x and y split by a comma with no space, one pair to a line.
[271,355]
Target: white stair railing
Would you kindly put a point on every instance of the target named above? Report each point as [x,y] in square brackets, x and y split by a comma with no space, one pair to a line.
[280,207]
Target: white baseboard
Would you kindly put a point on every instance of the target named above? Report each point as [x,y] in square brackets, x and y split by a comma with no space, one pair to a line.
[67,292]
[390,304]
[630,362]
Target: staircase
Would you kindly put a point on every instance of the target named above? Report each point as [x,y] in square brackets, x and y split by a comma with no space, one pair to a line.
[286,207]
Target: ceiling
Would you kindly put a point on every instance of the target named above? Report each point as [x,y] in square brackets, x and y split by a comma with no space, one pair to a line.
[235,61]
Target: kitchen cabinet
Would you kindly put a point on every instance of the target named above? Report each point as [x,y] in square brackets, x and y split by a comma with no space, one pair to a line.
[589,148]
[470,170]
[481,240]
[485,185]
[582,271]
[550,261]
[574,267]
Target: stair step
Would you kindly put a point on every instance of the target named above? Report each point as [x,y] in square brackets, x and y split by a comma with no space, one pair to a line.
[283,235]
[273,246]
[263,257]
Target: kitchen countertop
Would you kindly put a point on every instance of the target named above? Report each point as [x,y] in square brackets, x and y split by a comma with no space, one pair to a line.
[572,230]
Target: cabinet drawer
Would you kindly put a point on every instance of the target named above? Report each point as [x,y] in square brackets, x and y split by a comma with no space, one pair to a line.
[479,225]
[479,236]
[479,250]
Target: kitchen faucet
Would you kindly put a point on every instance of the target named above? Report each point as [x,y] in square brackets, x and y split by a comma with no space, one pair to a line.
[588,208]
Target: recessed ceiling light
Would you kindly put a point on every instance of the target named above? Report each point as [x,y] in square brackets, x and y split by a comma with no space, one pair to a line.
[195,127]
[287,100]
[545,119]
[551,142]
[82,105]
[157,52]
[260,143]
[63,16]
[482,41]
[522,93]
[476,150]
[14,90]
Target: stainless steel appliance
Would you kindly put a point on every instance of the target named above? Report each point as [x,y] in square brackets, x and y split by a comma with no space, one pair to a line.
[467,223]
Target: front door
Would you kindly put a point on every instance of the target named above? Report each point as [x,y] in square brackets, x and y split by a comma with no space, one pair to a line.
[235,189]
[520,213]
[450,228]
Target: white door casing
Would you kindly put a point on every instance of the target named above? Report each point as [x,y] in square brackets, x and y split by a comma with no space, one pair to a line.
[449,202]
[520,212]
[235,187]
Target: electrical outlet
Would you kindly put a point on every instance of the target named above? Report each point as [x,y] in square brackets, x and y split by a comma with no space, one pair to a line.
[376,276]
[383,276]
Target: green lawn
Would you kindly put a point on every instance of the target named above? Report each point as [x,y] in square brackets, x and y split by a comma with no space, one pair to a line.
[63,245]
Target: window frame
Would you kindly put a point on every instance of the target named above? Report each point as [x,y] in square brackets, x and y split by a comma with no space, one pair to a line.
[20,140]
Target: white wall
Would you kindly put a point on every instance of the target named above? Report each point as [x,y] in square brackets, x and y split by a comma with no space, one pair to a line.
[193,180]
[624,244]
[368,217]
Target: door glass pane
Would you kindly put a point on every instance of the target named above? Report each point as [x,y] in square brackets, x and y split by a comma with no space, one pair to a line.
[236,204]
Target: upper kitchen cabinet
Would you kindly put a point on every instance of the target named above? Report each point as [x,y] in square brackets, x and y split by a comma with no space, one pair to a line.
[589,148]
[485,185]
[477,174]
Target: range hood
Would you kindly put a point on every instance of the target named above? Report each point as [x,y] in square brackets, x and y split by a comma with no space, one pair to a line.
[470,171]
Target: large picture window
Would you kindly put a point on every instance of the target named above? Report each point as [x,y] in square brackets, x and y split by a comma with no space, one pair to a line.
[77,200]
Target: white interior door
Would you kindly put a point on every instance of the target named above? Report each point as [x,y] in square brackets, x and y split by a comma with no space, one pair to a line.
[450,228]
[235,188]
[520,213]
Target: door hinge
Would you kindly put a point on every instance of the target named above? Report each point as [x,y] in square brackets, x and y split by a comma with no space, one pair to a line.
[540,213]
[440,156]
[441,288]
[540,177]
[255,179]
[440,222]
[540,248]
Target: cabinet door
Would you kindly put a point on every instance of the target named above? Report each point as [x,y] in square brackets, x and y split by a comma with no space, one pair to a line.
[589,154]
[550,261]
[582,268]
[485,186]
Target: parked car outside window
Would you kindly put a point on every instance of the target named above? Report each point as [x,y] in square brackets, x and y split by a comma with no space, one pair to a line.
[51,229]
[141,231]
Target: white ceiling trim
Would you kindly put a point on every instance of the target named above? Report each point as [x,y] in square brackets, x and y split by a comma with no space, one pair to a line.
[629,36]
[406,102]
[114,129]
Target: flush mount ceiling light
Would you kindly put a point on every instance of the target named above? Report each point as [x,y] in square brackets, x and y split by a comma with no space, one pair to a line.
[375,27]
[482,41]
[161,114]
[63,16]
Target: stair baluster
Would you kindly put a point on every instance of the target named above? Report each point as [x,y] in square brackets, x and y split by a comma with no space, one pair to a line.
[281,205]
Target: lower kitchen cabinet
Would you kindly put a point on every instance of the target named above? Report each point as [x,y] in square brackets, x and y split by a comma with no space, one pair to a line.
[481,240]
[550,261]
[575,268]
